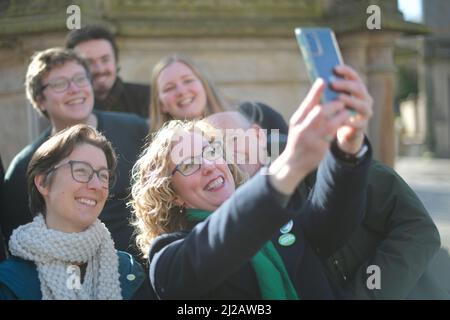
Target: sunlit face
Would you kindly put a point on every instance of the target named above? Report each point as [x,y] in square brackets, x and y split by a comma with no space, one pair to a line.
[102,63]
[206,188]
[71,106]
[181,92]
[73,206]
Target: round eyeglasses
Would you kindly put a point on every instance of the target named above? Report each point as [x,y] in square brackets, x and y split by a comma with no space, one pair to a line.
[191,165]
[61,84]
[83,172]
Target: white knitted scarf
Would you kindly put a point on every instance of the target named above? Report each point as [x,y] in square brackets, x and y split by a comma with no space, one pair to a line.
[55,254]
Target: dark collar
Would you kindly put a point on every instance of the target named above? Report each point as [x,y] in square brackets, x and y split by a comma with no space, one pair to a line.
[113,97]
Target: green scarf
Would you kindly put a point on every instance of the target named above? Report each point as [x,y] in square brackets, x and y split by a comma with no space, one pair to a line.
[273,279]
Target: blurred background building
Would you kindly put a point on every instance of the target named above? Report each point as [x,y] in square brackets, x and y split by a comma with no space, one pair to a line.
[247,47]
[423,95]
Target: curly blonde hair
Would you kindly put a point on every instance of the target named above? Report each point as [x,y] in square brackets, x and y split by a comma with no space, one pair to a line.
[153,197]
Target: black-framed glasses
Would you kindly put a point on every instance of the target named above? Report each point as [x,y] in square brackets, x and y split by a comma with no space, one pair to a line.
[61,84]
[83,172]
[191,165]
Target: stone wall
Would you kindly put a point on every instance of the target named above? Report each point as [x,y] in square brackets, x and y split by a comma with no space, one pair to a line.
[269,70]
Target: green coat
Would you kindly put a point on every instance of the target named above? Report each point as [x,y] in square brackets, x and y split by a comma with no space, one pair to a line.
[397,235]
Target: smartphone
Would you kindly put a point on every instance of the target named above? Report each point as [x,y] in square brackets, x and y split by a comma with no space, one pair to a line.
[321,53]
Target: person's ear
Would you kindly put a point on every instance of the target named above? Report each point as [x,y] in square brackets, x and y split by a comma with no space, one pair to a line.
[41,184]
[40,99]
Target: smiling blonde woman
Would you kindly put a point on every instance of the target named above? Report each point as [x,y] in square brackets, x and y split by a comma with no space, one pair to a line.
[181,91]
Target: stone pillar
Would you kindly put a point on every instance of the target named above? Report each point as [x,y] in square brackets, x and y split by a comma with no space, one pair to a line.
[372,55]
[354,52]
[434,76]
[381,83]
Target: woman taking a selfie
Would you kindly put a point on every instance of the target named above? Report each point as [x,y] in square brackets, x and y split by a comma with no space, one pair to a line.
[208,239]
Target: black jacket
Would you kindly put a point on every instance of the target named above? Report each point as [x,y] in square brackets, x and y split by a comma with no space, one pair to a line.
[126,97]
[398,235]
[212,261]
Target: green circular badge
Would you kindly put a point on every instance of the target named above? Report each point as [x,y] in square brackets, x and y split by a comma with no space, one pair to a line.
[286,240]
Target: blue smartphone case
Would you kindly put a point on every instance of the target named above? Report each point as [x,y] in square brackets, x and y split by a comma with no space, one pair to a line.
[321,54]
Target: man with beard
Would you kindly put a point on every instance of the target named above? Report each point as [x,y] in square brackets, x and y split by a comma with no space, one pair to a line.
[97,45]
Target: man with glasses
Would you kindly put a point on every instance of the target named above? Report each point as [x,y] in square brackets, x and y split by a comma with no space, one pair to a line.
[58,86]
[97,45]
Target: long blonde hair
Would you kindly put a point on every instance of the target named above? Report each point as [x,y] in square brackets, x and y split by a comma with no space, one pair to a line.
[214,102]
[153,197]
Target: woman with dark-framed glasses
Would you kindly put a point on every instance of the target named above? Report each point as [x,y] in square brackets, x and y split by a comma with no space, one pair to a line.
[83,172]
[66,252]
[209,235]
[58,86]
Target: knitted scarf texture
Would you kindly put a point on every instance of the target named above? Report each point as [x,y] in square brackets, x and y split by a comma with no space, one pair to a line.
[57,253]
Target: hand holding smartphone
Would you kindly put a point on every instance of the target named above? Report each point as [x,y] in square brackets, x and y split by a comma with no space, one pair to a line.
[321,54]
